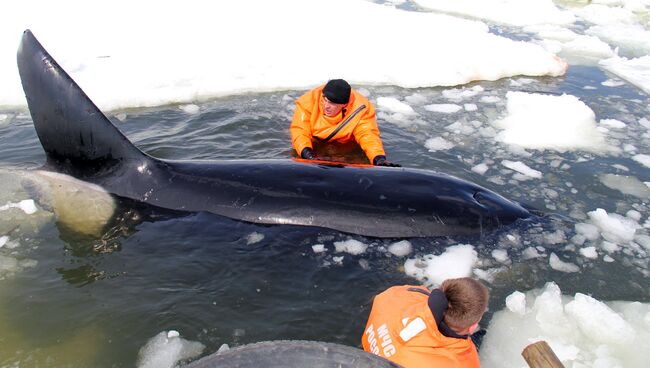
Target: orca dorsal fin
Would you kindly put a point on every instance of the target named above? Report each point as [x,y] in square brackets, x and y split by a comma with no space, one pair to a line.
[74,133]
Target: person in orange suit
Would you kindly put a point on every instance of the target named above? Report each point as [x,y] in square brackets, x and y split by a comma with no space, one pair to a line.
[415,327]
[334,112]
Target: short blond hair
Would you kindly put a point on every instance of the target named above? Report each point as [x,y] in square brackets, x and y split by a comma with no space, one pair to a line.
[468,300]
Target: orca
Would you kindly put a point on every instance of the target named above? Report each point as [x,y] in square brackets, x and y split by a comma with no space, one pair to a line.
[292,354]
[384,202]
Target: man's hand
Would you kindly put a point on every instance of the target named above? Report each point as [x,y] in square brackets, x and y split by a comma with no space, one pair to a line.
[308,154]
[381,161]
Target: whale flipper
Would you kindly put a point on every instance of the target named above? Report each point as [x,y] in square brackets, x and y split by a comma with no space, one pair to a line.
[72,130]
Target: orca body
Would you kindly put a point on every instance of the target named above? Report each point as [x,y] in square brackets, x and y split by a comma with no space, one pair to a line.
[292,354]
[80,141]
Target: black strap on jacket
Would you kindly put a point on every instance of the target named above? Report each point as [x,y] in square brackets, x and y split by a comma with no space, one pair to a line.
[438,305]
[344,123]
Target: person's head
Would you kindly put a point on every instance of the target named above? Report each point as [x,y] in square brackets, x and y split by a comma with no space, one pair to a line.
[336,94]
[467,302]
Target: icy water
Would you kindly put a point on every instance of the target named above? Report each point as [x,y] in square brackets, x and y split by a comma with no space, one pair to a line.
[94,301]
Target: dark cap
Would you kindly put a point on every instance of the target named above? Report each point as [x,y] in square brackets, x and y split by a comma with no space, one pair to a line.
[337,91]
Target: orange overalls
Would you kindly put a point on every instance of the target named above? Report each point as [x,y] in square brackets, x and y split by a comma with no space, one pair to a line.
[402,329]
[309,122]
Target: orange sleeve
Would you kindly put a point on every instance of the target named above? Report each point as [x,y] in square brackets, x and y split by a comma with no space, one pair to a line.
[366,133]
[300,129]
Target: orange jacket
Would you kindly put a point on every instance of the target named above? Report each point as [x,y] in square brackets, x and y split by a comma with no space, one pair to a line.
[309,122]
[402,329]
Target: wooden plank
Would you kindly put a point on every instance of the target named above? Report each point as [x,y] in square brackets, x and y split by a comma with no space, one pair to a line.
[540,355]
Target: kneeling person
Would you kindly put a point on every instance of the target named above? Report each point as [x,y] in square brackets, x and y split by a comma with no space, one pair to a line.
[415,327]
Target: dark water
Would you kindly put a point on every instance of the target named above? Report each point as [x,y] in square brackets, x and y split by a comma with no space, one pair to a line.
[95,301]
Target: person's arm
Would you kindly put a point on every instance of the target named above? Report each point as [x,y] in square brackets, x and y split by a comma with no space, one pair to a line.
[300,129]
[366,133]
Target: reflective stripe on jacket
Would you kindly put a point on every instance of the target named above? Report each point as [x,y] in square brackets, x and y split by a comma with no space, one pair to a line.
[402,329]
[309,122]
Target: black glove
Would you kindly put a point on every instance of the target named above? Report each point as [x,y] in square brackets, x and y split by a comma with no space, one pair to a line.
[380,160]
[308,154]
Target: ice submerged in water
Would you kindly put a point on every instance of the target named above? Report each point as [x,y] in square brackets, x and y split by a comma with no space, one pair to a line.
[75,204]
